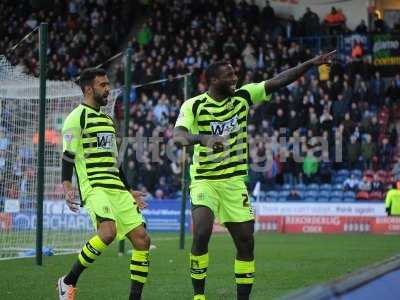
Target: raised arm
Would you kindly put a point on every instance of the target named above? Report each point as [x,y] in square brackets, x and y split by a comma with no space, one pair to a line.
[288,76]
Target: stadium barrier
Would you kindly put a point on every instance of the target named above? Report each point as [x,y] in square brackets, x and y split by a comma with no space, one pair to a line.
[164,215]
[161,215]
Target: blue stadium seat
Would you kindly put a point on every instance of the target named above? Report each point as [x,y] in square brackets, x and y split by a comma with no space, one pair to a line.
[284,194]
[300,186]
[310,199]
[348,199]
[335,199]
[272,193]
[313,186]
[271,199]
[337,193]
[324,193]
[357,173]
[310,193]
[339,179]
[343,172]
[338,186]
[286,187]
[325,186]
[322,199]
[349,194]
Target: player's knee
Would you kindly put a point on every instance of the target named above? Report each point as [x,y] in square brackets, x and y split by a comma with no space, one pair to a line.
[245,249]
[145,241]
[108,235]
[201,238]
[141,242]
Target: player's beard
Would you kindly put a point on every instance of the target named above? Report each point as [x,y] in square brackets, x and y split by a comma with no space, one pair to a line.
[101,99]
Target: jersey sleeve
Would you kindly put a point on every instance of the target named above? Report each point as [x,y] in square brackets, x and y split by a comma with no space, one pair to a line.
[71,133]
[186,117]
[256,92]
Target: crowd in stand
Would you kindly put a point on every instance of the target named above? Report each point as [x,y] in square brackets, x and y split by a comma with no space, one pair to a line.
[348,104]
[81,33]
[350,101]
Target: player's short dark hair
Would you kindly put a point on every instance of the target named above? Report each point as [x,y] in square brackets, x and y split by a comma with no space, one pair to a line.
[213,70]
[88,75]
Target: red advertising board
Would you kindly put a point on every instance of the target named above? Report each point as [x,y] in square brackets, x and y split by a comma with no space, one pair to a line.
[329,224]
[386,225]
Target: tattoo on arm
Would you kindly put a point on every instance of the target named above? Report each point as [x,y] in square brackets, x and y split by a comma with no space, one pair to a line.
[287,77]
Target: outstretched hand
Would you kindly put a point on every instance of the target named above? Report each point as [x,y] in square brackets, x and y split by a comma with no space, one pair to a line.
[139,198]
[323,58]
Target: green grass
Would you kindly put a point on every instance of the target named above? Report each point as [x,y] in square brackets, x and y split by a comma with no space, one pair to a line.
[283,263]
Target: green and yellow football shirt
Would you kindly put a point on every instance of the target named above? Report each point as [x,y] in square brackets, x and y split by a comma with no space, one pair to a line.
[89,138]
[203,115]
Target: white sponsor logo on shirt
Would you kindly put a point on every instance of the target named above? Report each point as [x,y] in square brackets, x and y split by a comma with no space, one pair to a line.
[104,141]
[225,127]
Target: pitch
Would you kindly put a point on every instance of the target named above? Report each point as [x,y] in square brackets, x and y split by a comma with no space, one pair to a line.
[284,263]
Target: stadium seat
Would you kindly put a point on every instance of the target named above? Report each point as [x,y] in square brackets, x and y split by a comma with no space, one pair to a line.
[339,179]
[362,195]
[343,172]
[335,199]
[349,194]
[286,187]
[300,187]
[313,186]
[369,173]
[322,199]
[271,199]
[310,193]
[284,194]
[325,186]
[337,193]
[310,199]
[272,194]
[338,186]
[357,173]
[348,199]
[376,195]
[324,193]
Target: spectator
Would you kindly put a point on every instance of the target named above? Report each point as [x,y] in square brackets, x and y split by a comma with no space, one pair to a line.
[361,28]
[353,153]
[310,168]
[325,168]
[131,174]
[335,21]
[368,151]
[159,194]
[310,22]
[385,154]
[379,24]
[396,171]
[268,17]
[339,108]
[357,51]
[365,184]
[352,183]
[294,195]
[376,184]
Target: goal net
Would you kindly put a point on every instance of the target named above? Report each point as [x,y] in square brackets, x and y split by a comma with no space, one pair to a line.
[63,231]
